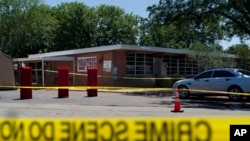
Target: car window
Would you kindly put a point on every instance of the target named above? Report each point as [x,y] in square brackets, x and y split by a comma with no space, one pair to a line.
[207,74]
[245,72]
[223,74]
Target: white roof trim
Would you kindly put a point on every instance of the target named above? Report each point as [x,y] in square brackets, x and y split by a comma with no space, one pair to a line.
[61,58]
[58,58]
[27,59]
[77,51]
[108,48]
[112,47]
[154,49]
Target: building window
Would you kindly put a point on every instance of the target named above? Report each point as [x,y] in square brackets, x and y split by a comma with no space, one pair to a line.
[180,65]
[139,64]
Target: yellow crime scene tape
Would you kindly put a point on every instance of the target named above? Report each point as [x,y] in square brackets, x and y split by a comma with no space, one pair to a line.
[114,88]
[88,87]
[120,88]
[119,129]
[145,78]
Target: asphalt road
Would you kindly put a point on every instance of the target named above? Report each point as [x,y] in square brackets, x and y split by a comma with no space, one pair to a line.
[45,103]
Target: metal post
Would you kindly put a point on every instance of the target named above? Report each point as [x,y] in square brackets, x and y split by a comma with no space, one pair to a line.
[40,52]
[74,71]
[43,70]
[36,70]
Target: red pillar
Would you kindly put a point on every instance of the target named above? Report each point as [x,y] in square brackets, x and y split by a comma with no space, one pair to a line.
[25,81]
[63,81]
[92,81]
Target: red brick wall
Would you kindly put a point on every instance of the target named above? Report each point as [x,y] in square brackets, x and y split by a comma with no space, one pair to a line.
[50,75]
[104,77]
[118,60]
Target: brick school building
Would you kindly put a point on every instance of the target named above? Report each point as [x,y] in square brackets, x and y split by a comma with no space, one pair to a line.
[117,65]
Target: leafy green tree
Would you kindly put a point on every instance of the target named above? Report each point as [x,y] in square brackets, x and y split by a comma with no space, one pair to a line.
[243,53]
[144,37]
[236,14]
[25,27]
[160,35]
[170,27]
[10,21]
[81,26]
[114,26]
[76,26]
[226,18]
[208,57]
[39,29]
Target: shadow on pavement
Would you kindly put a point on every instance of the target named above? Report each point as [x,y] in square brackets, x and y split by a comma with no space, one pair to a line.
[212,103]
[150,93]
[222,103]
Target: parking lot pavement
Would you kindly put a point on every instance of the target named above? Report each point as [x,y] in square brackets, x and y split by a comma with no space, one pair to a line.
[45,103]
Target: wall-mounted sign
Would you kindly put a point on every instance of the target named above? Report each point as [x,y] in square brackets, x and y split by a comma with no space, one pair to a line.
[107,65]
[83,63]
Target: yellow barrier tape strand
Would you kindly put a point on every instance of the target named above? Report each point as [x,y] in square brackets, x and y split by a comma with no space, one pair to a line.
[135,78]
[87,87]
[78,74]
[119,129]
[153,78]
[219,92]
[122,88]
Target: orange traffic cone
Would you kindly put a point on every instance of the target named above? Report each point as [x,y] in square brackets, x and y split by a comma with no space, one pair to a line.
[177,104]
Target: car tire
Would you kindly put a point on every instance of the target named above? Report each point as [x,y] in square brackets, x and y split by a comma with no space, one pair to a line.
[235,89]
[248,98]
[183,92]
[200,96]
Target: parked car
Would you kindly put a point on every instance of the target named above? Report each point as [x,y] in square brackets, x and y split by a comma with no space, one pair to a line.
[224,81]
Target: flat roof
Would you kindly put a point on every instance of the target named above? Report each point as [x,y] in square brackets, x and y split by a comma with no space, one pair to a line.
[67,53]
[108,48]
[39,58]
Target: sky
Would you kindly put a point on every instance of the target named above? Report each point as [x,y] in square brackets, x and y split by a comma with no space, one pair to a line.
[130,6]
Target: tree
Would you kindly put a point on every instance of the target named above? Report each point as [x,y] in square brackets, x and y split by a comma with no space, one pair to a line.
[26,27]
[76,26]
[39,29]
[29,26]
[81,26]
[161,35]
[236,14]
[225,18]
[208,57]
[243,53]
[171,23]
[114,26]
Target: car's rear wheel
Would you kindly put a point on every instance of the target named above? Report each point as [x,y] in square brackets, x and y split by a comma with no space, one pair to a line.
[183,92]
[233,96]
[248,98]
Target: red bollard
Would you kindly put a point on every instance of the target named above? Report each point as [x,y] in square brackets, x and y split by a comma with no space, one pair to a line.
[63,81]
[25,81]
[92,81]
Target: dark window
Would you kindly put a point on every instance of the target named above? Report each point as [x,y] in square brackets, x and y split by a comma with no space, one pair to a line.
[223,74]
[139,64]
[207,74]
[179,65]
[244,72]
